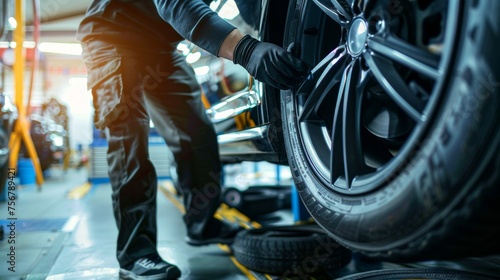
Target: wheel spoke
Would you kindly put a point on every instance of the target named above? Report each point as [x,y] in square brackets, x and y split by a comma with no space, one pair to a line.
[347,158]
[354,161]
[337,155]
[331,11]
[395,86]
[410,56]
[344,7]
[322,79]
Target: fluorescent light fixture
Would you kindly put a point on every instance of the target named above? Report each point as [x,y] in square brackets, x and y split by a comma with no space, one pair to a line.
[193,57]
[203,70]
[60,48]
[183,48]
[26,44]
[47,47]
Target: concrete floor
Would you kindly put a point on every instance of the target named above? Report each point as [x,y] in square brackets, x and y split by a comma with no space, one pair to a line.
[61,236]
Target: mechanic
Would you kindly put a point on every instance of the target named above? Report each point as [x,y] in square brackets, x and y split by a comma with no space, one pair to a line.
[136,74]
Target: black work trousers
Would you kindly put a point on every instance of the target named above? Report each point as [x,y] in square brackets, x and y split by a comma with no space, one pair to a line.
[129,90]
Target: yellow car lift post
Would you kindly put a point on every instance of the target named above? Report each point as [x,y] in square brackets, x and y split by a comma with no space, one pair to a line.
[22,127]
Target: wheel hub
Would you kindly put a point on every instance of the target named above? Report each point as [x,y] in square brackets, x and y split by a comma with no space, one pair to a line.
[356,40]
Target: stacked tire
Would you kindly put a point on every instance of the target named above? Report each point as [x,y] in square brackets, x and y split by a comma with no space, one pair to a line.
[289,251]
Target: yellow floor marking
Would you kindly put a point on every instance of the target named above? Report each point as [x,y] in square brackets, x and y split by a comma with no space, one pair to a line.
[234,216]
[224,248]
[79,192]
[169,185]
[243,269]
[171,197]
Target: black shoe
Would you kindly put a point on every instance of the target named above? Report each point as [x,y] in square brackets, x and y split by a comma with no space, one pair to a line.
[150,268]
[225,236]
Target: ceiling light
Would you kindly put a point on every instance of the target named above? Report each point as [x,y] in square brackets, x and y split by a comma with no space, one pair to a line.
[229,11]
[26,44]
[61,48]
[193,57]
[183,48]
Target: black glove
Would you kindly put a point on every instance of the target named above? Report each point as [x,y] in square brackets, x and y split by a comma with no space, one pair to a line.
[269,63]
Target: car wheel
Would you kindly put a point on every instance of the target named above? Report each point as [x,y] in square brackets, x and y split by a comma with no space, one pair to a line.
[393,138]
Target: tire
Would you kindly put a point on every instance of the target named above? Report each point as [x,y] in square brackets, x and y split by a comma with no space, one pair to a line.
[254,201]
[416,273]
[289,250]
[397,180]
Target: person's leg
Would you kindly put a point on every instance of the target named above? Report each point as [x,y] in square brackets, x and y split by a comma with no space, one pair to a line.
[134,183]
[120,108]
[175,106]
[132,175]
[133,180]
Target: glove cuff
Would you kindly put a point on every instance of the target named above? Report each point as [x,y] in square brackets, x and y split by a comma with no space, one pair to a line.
[244,49]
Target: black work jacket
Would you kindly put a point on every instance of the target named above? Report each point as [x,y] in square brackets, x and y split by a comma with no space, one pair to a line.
[154,25]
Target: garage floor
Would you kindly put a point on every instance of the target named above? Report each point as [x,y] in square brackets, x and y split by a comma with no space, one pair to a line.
[67,231]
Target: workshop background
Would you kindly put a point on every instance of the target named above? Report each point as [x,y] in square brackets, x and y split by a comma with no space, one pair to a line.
[55,201]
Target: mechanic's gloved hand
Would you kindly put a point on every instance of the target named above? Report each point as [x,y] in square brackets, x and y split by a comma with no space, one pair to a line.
[269,63]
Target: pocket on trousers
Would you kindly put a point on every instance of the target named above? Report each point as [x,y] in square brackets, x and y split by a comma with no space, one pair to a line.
[107,91]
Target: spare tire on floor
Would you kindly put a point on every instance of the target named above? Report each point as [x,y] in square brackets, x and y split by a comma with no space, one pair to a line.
[298,250]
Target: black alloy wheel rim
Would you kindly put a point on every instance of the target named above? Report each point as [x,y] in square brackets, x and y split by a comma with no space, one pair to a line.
[369,99]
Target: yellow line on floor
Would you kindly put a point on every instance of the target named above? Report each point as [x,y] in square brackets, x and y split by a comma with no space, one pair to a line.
[164,187]
[79,192]
[234,216]
[243,269]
